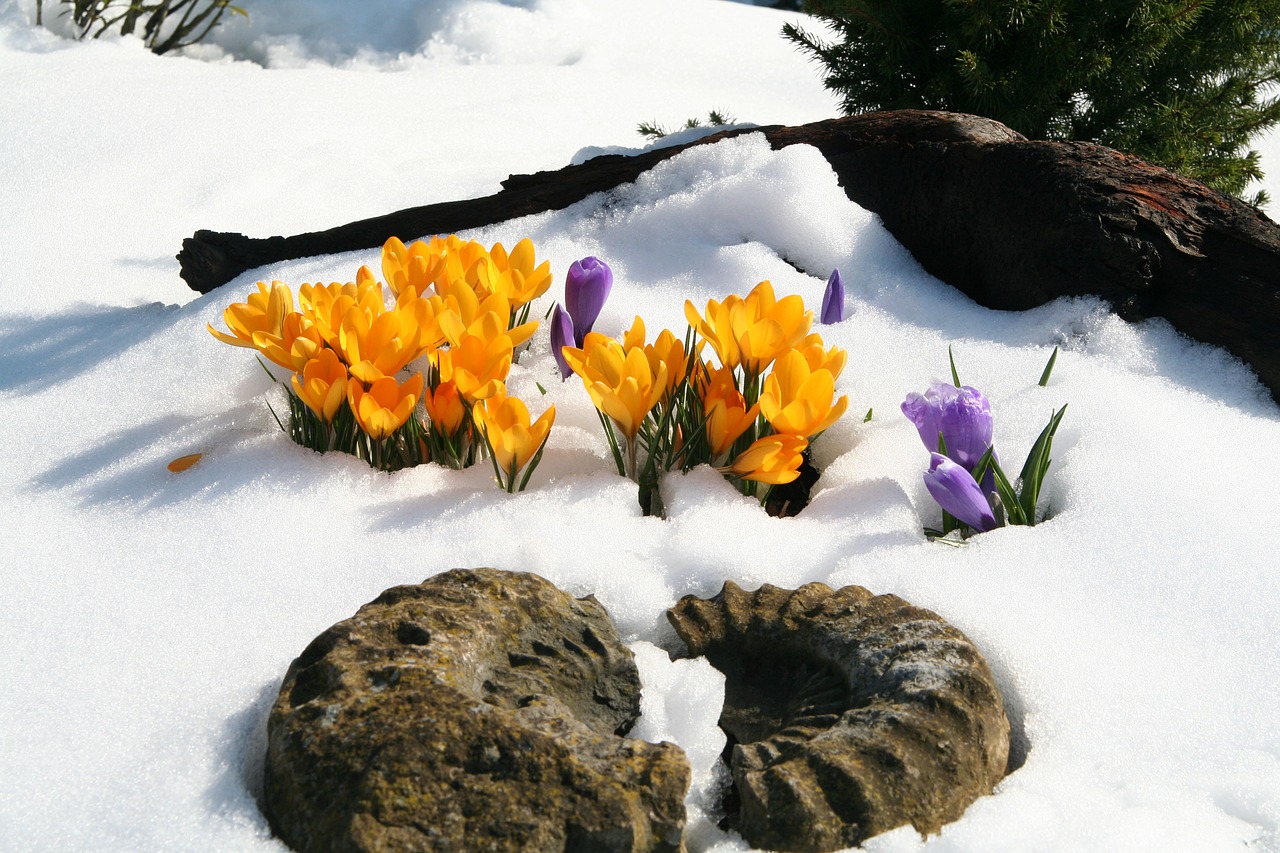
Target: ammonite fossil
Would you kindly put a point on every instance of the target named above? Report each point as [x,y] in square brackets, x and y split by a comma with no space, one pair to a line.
[847,713]
[479,710]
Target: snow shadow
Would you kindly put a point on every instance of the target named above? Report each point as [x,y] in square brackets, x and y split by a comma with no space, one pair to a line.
[41,352]
[129,466]
[240,748]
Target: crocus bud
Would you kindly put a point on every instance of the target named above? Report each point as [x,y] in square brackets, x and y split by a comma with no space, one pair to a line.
[961,415]
[833,300]
[586,287]
[958,493]
[561,336]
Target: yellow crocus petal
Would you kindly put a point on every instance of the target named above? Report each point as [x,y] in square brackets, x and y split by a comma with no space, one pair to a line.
[461,307]
[487,278]
[540,429]
[760,344]
[766,327]
[322,384]
[716,328]
[182,463]
[366,371]
[634,337]
[523,332]
[727,419]
[521,258]
[605,398]
[576,359]
[228,339]
[279,305]
[774,459]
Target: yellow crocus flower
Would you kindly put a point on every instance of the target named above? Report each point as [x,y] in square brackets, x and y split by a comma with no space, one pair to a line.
[322,384]
[464,313]
[413,268]
[753,331]
[445,407]
[774,459]
[263,311]
[818,356]
[297,343]
[622,384]
[385,405]
[477,366]
[798,401]
[504,422]
[383,344]
[666,349]
[725,410]
[514,275]
[327,306]
[456,262]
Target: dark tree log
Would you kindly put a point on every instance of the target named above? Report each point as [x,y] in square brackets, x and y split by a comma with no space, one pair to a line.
[1012,223]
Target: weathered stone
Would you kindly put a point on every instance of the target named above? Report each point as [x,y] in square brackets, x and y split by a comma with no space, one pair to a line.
[479,710]
[848,714]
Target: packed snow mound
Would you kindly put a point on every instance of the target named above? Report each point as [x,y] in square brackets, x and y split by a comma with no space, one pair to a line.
[401,34]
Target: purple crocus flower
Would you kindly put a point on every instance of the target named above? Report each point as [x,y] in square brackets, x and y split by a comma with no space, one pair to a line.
[561,336]
[958,493]
[962,415]
[833,300]
[586,287]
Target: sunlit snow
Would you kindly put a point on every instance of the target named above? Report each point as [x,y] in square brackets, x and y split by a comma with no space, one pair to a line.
[149,616]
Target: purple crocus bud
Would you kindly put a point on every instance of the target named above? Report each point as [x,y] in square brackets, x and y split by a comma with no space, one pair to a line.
[586,287]
[833,300]
[962,415]
[561,336]
[958,493]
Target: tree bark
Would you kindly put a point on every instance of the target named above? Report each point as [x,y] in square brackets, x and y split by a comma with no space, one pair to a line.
[1012,223]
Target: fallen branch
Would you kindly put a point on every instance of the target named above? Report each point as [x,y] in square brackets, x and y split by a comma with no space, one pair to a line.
[1012,223]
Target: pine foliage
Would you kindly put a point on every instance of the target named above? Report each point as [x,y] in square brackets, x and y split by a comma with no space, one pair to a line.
[1184,84]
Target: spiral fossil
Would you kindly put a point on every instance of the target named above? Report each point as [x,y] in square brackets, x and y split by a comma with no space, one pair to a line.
[848,714]
[478,710]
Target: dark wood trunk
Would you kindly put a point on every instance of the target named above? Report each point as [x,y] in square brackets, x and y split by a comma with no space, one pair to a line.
[1011,222]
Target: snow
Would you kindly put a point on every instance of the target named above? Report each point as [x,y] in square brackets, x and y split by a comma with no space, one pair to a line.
[149,617]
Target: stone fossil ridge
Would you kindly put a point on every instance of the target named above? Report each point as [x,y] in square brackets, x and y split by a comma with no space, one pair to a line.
[479,710]
[488,710]
[848,714]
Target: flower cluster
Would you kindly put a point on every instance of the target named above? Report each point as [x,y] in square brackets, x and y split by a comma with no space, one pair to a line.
[964,477]
[746,390]
[751,412]
[459,310]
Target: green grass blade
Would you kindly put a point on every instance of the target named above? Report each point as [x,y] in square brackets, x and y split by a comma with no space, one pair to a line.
[1048,368]
[1037,465]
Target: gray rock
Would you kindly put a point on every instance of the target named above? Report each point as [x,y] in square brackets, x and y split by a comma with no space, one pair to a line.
[479,710]
[848,714]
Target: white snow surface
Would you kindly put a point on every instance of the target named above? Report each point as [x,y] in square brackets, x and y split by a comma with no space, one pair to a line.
[149,617]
